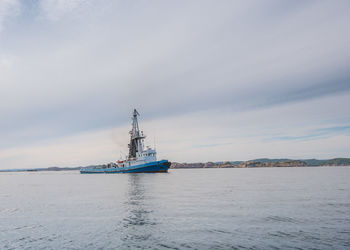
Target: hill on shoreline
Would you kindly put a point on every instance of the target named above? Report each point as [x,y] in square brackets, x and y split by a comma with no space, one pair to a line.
[266,162]
[257,163]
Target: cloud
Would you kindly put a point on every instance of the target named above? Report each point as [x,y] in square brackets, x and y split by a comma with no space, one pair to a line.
[211,145]
[73,67]
[8,9]
[211,135]
[54,10]
[80,149]
[314,134]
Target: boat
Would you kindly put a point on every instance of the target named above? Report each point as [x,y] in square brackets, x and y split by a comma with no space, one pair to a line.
[139,160]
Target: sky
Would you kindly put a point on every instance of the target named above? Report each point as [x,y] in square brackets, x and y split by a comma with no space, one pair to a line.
[212,80]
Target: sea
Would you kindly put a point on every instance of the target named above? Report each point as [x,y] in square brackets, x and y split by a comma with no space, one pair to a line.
[262,208]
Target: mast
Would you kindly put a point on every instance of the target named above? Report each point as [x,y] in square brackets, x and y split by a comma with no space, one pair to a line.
[136,137]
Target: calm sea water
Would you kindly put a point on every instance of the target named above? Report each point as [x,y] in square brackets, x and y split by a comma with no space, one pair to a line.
[270,208]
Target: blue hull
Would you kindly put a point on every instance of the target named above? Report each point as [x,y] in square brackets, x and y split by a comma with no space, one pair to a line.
[152,167]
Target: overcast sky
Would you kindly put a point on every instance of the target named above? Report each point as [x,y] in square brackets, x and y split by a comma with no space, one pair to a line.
[212,80]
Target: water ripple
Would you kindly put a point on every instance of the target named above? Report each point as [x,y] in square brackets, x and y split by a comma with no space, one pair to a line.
[186,209]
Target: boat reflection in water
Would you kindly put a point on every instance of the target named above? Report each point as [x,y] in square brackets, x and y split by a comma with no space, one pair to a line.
[138,223]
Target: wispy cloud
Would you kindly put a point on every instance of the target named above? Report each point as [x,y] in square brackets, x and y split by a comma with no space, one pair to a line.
[214,145]
[8,9]
[315,134]
[55,10]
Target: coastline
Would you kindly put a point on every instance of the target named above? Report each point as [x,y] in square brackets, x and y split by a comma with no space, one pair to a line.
[257,163]
[265,163]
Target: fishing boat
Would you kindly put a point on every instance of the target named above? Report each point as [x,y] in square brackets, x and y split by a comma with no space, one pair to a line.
[139,160]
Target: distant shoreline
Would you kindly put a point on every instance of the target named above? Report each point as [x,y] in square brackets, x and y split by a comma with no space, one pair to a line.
[314,166]
[265,163]
[257,163]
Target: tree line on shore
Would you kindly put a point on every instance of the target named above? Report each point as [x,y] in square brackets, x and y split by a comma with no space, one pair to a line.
[265,162]
[257,163]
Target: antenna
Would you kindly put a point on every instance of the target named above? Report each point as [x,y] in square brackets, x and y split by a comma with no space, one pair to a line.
[123,155]
[154,142]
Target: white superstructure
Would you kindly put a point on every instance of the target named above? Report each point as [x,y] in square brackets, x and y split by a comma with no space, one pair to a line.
[137,153]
